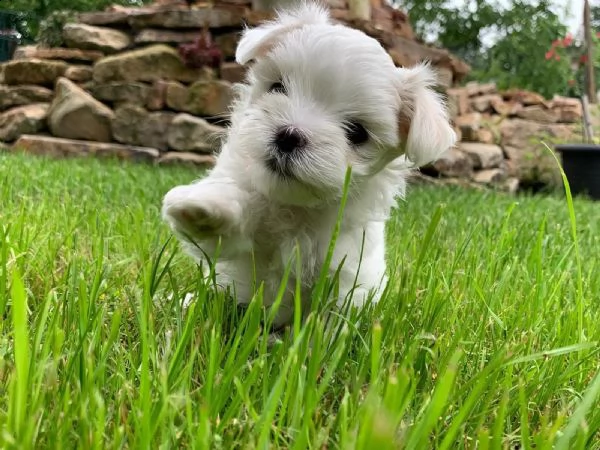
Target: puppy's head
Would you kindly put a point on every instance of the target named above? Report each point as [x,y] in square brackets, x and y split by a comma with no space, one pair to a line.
[323,96]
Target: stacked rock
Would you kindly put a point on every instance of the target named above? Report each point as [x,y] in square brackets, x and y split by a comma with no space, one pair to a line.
[502,136]
[120,85]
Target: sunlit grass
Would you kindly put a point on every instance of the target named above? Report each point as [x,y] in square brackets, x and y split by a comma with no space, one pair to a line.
[486,337]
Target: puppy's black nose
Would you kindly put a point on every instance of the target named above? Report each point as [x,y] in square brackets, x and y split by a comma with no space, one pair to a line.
[289,139]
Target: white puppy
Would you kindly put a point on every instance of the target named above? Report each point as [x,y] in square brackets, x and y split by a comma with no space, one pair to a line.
[320,97]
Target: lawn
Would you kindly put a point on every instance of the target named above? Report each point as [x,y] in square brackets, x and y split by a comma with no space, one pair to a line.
[488,336]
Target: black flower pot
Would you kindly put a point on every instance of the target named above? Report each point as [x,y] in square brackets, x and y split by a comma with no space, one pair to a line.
[8,45]
[581,163]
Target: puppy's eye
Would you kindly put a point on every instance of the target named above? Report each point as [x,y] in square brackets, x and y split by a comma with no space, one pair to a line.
[277,88]
[356,133]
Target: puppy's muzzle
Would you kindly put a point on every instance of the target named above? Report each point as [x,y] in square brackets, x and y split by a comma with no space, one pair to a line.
[288,140]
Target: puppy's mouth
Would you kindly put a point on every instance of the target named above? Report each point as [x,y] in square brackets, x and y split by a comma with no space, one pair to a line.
[282,166]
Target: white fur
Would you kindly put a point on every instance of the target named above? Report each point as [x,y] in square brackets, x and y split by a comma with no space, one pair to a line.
[332,74]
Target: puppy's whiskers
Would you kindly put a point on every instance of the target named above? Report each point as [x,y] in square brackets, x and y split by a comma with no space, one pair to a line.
[281,165]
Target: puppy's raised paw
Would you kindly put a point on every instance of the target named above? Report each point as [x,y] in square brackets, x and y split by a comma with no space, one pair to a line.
[195,212]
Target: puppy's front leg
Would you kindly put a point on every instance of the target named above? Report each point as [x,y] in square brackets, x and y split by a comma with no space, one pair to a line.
[209,208]
[362,277]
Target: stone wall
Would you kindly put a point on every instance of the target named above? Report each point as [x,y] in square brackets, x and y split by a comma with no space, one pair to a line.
[120,86]
[502,136]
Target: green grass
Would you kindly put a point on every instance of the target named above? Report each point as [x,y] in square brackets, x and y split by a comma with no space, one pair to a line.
[487,338]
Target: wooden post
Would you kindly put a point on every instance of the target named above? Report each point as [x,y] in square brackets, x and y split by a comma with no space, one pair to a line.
[590,82]
[588,131]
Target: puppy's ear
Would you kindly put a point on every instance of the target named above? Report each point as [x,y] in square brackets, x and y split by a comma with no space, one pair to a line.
[423,124]
[257,42]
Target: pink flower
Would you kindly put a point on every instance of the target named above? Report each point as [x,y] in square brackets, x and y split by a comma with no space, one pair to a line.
[568,40]
[549,54]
